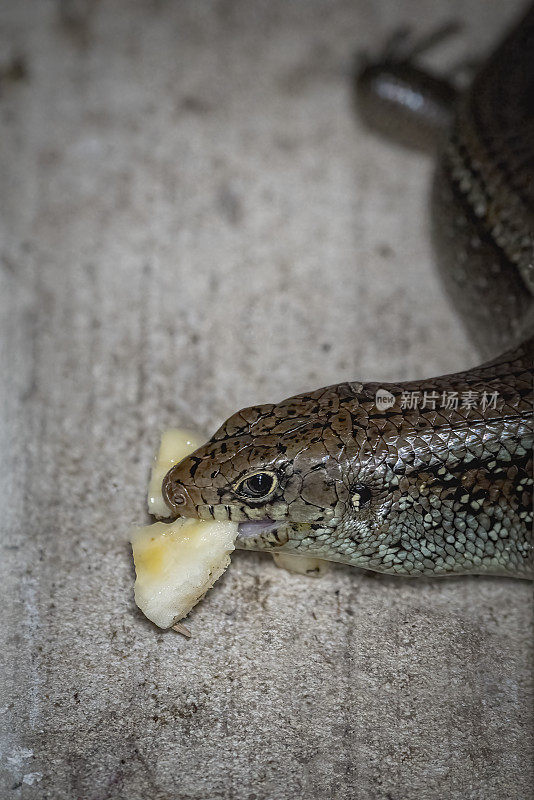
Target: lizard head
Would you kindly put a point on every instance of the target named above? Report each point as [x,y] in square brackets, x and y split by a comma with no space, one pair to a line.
[293,475]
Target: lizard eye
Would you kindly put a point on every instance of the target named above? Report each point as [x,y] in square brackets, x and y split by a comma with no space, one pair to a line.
[257,486]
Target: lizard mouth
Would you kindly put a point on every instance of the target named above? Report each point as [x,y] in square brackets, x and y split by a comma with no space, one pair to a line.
[266,529]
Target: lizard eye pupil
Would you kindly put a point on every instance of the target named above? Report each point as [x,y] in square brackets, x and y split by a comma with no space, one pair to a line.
[257,486]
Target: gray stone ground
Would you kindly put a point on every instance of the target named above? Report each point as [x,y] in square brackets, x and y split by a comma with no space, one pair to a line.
[193,221]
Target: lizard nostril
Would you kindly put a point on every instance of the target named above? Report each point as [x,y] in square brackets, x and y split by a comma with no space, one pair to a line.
[177,497]
[174,493]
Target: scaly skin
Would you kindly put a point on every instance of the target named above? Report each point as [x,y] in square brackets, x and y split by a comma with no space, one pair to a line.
[444,488]
[483,198]
[404,491]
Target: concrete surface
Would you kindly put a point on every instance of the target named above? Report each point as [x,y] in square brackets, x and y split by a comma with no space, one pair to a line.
[193,221]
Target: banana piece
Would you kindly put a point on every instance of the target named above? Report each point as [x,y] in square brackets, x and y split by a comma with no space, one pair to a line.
[176,563]
[302,565]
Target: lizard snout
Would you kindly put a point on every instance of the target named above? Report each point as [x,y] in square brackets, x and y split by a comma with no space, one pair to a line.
[176,495]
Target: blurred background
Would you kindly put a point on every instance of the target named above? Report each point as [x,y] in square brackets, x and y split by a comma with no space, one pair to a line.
[194,220]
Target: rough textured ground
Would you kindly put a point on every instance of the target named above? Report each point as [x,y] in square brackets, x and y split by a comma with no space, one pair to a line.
[194,221]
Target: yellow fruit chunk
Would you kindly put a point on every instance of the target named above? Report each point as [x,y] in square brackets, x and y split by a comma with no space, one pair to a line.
[302,565]
[177,563]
